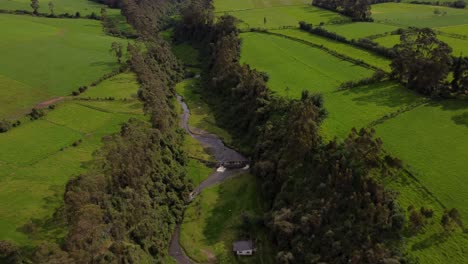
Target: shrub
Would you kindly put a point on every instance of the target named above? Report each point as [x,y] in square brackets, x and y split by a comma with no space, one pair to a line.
[52,107]
[5,125]
[82,89]
[36,113]
[77,143]
[427,212]
[75,93]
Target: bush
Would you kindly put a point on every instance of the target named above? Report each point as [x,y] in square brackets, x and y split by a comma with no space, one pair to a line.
[36,113]
[427,212]
[5,125]
[77,143]
[52,107]
[82,89]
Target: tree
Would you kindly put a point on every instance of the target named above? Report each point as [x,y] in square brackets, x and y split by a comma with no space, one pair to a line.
[35,6]
[116,48]
[422,61]
[5,125]
[51,7]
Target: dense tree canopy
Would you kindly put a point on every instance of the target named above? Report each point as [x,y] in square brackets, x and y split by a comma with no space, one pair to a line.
[358,10]
[422,62]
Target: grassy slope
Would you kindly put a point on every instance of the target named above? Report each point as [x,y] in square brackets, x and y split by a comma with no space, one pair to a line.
[85,7]
[277,17]
[418,15]
[459,29]
[73,46]
[348,50]
[227,5]
[358,30]
[34,169]
[212,221]
[296,65]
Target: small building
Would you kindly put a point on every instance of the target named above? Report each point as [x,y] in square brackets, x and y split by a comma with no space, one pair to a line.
[243,248]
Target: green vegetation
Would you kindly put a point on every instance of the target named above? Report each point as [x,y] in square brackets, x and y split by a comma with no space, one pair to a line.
[37,158]
[121,86]
[229,5]
[186,53]
[360,29]
[459,46]
[458,30]
[85,7]
[440,165]
[400,14]
[293,66]
[339,47]
[213,221]
[77,54]
[284,16]
[388,41]
[201,116]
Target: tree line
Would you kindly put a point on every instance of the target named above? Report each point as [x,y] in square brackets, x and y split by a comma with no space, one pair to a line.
[324,203]
[126,206]
[358,10]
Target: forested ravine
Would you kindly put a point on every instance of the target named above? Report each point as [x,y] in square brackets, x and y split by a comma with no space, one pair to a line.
[221,153]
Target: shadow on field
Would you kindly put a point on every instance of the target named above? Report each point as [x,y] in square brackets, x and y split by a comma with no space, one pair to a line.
[433,240]
[383,94]
[103,63]
[461,119]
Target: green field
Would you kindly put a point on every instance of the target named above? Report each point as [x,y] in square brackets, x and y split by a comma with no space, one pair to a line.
[85,7]
[339,47]
[285,16]
[459,30]
[418,15]
[212,220]
[229,5]
[294,66]
[357,30]
[37,158]
[77,53]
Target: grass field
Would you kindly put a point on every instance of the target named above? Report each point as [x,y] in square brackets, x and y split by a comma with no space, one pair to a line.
[30,74]
[212,220]
[294,66]
[229,5]
[431,139]
[37,158]
[277,17]
[459,30]
[85,7]
[348,50]
[418,15]
[359,30]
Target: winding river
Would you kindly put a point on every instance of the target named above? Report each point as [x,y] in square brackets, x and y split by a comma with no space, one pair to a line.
[221,153]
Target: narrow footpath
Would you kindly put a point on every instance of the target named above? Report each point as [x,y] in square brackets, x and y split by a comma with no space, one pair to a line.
[222,154]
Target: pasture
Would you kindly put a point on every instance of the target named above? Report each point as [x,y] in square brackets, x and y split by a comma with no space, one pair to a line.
[293,66]
[431,140]
[77,54]
[37,159]
[407,15]
[339,47]
[212,220]
[230,5]
[285,16]
[85,7]
[458,30]
[357,30]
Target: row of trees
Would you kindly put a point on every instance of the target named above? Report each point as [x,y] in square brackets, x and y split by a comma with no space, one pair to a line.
[358,10]
[423,62]
[324,204]
[125,208]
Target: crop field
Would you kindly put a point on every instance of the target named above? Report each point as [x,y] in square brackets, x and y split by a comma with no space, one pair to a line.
[294,66]
[348,50]
[85,7]
[229,5]
[418,15]
[37,158]
[211,222]
[357,30]
[285,16]
[34,74]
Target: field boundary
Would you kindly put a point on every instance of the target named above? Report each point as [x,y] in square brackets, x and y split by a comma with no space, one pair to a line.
[329,51]
[257,8]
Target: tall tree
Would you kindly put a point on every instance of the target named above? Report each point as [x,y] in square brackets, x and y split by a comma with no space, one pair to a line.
[35,6]
[51,7]
[422,61]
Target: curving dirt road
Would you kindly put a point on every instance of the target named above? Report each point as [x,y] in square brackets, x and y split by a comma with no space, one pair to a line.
[221,154]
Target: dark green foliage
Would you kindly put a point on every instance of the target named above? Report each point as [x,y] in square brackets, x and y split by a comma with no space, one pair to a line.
[9,253]
[35,6]
[325,206]
[450,219]
[358,10]
[36,113]
[460,75]
[422,61]
[5,125]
